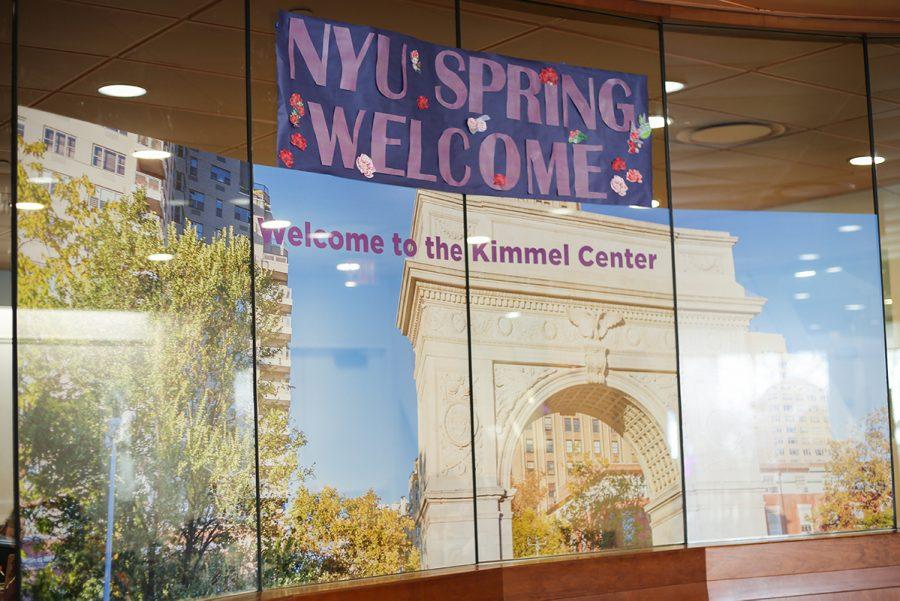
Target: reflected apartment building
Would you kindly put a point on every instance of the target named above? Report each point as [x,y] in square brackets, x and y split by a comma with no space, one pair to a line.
[551,445]
[209,191]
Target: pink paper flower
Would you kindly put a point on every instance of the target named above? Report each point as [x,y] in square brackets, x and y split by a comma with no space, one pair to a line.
[618,185]
[365,165]
[286,157]
[632,147]
[414,55]
[422,103]
[549,76]
[618,164]
[499,180]
[634,176]
[299,141]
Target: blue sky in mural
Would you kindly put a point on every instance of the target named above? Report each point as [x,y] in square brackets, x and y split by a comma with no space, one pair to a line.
[354,394]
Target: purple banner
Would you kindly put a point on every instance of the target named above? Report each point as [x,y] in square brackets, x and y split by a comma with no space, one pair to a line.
[380,106]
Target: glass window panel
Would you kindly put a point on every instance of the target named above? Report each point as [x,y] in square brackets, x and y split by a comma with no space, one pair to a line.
[363,352]
[884,66]
[7,412]
[135,342]
[587,343]
[779,306]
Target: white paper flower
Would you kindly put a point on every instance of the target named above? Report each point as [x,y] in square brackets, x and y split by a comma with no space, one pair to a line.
[366,166]
[618,185]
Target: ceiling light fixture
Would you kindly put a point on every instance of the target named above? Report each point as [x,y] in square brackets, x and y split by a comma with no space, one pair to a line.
[847,229]
[150,154]
[320,235]
[348,266]
[808,257]
[658,121]
[674,86]
[29,206]
[888,301]
[865,161]
[478,239]
[834,269]
[513,314]
[730,134]
[122,90]
[805,274]
[801,296]
[350,284]
[654,203]
[854,307]
[42,179]
[160,257]
[275,224]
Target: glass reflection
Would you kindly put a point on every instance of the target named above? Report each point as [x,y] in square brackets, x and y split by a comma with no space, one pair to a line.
[780,308]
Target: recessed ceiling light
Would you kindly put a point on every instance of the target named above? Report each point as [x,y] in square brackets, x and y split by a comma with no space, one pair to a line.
[654,203]
[122,90]
[478,239]
[29,206]
[160,257]
[513,314]
[888,301]
[865,161]
[854,307]
[637,207]
[815,327]
[657,121]
[42,179]
[834,269]
[805,274]
[730,134]
[846,229]
[241,201]
[801,296]
[350,284]
[151,154]
[320,235]
[808,257]
[348,266]
[275,224]
[674,86]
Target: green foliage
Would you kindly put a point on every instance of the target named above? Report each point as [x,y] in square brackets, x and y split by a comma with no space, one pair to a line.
[103,330]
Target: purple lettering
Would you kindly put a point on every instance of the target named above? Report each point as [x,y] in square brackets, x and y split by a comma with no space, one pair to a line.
[380,142]
[350,60]
[450,79]
[477,85]
[583,170]
[382,66]
[543,172]
[486,160]
[317,64]
[444,160]
[339,134]
[608,113]
[515,92]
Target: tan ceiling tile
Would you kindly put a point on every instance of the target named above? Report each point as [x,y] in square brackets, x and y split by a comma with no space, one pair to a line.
[196,46]
[841,67]
[50,69]
[735,48]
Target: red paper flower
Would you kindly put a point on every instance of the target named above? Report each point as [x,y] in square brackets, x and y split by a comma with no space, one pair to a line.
[634,176]
[286,157]
[295,118]
[296,100]
[422,103]
[633,135]
[618,164]
[632,147]
[499,180]
[549,76]
[299,141]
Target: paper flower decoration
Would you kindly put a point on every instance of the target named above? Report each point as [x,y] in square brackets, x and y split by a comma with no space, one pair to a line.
[422,103]
[295,118]
[634,141]
[299,141]
[477,124]
[618,185]
[576,136]
[634,176]
[549,76]
[414,59]
[365,165]
[499,180]
[644,129]
[618,164]
[297,104]
[286,157]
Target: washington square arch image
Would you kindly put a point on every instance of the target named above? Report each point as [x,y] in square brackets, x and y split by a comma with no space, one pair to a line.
[563,349]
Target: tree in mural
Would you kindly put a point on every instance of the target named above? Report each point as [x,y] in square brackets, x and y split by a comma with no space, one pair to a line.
[534,532]
[605,508]
[858,491]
